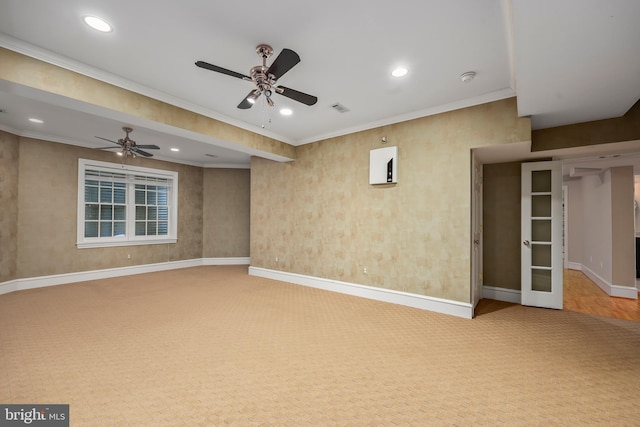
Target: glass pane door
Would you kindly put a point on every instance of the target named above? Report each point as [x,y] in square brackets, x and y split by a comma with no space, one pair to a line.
[542,234]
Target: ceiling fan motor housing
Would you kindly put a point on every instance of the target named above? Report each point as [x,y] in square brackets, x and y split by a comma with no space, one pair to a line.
[263,81]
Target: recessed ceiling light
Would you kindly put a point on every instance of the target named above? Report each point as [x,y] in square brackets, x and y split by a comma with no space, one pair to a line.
[399,72]
[175,149]
[34,120]
[98,24]
[286,111]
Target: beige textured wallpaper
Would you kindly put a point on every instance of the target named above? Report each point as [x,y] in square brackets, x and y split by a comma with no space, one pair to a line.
[501,225]
[319,216]
[8,205]
[225,230]
[625,128]
[46,231]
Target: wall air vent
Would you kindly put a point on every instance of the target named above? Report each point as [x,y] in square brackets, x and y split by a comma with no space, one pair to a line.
[577,171]
[340,108]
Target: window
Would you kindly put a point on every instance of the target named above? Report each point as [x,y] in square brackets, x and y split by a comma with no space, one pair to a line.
[125,205]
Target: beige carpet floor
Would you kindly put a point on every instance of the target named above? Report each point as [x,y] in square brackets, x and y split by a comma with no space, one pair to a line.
[212,346]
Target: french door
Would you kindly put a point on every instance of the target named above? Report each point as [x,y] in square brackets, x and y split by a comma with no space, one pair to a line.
[541,230]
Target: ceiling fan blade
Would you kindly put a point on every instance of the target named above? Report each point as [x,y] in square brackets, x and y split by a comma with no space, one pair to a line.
[139,151]
[217,69]
[245,104]
[105,139]
[296,95]
[283,63]
[106,148]
[150,146]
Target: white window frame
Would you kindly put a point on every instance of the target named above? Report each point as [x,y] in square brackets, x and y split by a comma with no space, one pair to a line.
[130,238]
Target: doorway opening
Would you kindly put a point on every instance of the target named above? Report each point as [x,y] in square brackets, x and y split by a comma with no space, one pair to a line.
[600,235]
[501,204]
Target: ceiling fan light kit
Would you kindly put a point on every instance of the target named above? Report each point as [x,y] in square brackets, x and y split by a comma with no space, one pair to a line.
[266,77]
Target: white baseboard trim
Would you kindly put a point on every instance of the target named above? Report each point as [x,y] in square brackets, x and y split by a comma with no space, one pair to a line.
[609,288]
[83,276]
[514,296]
[574,266]
[602,283]
[624,292]
[227,261]
[501,294]
[438,305]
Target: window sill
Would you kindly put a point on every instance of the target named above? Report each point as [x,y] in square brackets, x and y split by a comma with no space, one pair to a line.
[87,245]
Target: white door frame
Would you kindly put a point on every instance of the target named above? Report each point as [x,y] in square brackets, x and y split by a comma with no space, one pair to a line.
[476,229]
[565,226]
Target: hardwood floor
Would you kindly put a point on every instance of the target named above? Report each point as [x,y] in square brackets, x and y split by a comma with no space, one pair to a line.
[584,296]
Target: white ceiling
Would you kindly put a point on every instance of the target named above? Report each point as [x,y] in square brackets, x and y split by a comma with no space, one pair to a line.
[568,61]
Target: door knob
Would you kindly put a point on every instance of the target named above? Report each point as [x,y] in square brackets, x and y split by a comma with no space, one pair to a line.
[526,243]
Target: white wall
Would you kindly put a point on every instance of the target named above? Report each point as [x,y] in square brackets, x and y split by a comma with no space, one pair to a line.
[573,232]
[596,225]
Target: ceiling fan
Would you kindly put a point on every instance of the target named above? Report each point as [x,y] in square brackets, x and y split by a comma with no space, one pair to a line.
[129,146]
[265,78]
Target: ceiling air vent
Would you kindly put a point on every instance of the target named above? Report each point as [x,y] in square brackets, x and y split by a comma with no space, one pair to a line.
[339,108]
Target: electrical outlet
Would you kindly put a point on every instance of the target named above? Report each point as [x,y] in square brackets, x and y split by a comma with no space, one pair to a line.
[128,256]
[364,270]
[277,259]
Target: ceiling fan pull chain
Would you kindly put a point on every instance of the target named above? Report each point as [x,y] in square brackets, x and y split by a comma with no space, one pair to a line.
[266,117]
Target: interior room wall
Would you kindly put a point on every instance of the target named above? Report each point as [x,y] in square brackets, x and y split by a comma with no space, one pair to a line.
[608,249]
[47,205]
[596,230]
[319,216]
[573,233]
[622,227]
[9,153]
[617,129]
[227,199]
[501,225]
